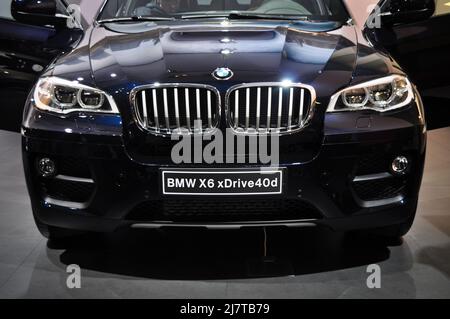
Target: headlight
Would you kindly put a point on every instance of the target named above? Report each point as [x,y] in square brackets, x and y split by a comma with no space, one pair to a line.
[62,96]
[381,95]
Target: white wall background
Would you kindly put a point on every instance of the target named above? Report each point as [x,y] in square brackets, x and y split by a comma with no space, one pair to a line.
[359,9]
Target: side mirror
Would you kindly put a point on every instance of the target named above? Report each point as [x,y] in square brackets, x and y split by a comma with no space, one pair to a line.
[409,11]
[37,12]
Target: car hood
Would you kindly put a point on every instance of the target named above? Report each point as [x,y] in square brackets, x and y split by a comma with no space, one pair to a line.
[142,53]
[117,57]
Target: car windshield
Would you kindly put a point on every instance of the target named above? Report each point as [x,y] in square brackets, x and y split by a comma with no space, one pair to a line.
[126,10]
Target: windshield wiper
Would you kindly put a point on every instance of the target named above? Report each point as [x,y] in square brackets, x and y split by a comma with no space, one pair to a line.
[135,19]
[232,16]
[241,15]
[244,16]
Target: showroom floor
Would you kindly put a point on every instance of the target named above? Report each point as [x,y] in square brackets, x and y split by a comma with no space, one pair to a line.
[310,263]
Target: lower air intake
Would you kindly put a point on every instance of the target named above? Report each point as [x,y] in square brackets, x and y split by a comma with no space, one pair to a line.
[223,211]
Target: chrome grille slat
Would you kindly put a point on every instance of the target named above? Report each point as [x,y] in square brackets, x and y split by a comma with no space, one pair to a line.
[177,108]
[209,109]
[302,105]
[155,112]
[258,108]
[195,111]
[291,105]
[236,110]
[280,106]
[188,109]
[270,107]
[247,108]
[144,108]
[197,99]
[166,108]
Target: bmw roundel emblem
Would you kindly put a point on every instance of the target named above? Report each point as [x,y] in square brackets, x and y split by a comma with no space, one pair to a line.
[222,74]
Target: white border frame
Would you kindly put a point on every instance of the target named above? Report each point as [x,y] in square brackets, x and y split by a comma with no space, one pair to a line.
[261,172]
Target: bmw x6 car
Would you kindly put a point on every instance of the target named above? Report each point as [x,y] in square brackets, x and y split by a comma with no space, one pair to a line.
[296,80]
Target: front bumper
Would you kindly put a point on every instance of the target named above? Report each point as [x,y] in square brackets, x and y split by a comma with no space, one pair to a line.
[125,193]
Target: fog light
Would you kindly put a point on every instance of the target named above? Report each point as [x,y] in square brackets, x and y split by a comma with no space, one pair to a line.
[400,165]
[46,167]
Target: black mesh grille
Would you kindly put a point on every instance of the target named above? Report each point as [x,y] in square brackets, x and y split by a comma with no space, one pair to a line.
[373,164]
[379,189]
[72,166]
[67,190]
[223,210]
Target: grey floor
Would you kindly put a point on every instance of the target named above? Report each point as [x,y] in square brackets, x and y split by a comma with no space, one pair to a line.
[310,263]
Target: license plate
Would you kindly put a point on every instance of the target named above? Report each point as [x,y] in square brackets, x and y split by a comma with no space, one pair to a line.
[261,182]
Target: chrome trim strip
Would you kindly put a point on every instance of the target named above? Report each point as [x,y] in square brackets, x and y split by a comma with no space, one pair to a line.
[381,202]
[232,225]
[372,177]
[63,203]
[74,179]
